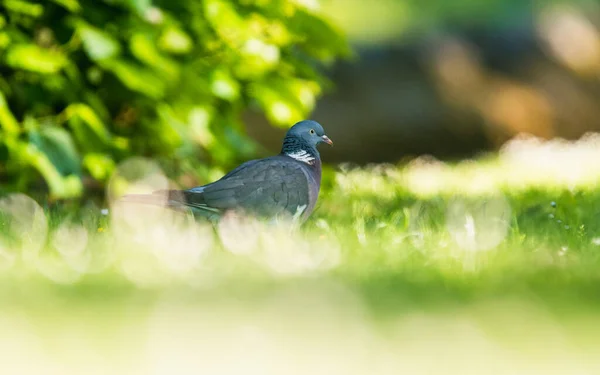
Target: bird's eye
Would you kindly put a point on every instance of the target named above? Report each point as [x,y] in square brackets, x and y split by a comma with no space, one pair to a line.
[312,131]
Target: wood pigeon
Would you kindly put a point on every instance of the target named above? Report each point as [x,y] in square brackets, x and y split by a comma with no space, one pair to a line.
[285,184]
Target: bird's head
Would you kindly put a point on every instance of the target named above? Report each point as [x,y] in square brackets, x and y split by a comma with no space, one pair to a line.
[311,132]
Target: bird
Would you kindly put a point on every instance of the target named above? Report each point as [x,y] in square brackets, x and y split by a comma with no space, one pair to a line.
[283,185]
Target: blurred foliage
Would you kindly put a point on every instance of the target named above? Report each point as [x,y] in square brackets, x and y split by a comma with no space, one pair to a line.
[87,83]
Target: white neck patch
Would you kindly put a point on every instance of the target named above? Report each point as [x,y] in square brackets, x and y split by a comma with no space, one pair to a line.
[302,156]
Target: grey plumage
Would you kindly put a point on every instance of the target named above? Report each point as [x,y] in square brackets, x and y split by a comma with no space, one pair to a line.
[285,184]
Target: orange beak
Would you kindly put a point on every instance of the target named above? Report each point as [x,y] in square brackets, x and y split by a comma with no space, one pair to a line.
[327,140]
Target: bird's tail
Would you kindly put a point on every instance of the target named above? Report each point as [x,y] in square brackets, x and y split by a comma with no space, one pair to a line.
[151,199]
[161,198]
[171,199]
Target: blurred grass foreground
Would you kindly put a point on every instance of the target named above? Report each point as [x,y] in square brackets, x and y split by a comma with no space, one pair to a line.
[487,266]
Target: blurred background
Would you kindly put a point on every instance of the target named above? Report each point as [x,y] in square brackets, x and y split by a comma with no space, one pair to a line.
[454,78]
[201,86]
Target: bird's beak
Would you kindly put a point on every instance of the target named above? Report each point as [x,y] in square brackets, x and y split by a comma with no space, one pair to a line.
[327,140]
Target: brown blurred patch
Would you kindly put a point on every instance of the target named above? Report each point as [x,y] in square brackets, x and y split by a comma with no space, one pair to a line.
[511,108]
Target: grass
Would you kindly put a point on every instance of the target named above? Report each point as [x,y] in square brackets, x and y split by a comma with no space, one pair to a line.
[489,266]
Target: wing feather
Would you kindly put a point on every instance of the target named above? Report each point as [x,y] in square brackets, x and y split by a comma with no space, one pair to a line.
[262,188]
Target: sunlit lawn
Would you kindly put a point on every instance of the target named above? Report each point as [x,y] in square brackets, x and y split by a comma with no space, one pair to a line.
[481,267]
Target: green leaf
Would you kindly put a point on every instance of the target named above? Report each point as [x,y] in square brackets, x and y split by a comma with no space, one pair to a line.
[97,44]
[173,128]
[224,86]
[320,38]
[7,121]
[57,144]
[60,186]
[137,78]
[199,119]
[51,151]
[175,41]
[4,40]
[305,91]
[36,59]
[143,48]
[24,7]
[100,166]
[258,58]
[284,102]
[70,5]
[96,104]
[226,21]
[89,130]
[141,6]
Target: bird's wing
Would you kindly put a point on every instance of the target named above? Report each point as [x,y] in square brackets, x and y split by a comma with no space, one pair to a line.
[265,187]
